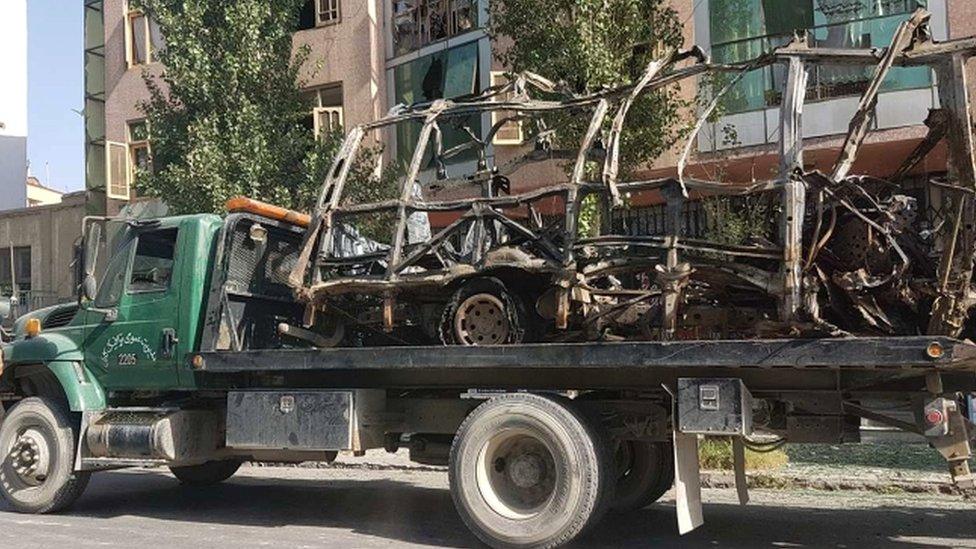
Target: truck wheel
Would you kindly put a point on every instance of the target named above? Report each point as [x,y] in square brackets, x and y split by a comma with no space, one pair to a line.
[645,471]
[206,474]
[483,312]
[529,471]
[37,441]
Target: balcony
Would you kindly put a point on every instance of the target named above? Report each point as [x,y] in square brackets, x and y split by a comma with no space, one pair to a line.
[741,30]
[418,23]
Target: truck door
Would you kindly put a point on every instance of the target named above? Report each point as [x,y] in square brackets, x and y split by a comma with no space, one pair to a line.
[132,332]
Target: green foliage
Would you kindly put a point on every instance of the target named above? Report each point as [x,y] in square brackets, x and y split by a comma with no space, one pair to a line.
[228,117]
[734,220]
[588,220]
[368,185]
[716,454]
[594,44]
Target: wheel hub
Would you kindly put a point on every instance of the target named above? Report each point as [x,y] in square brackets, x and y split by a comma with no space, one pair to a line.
[482,320]
[30,457]
[526,470]
[517,474]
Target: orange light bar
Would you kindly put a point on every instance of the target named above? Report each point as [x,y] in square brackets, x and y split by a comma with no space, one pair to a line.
[33,327]
[245,204]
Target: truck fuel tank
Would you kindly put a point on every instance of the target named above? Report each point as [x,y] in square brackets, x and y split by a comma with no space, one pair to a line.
[154,434]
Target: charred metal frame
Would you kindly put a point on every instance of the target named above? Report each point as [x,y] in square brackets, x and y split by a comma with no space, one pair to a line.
[796,284]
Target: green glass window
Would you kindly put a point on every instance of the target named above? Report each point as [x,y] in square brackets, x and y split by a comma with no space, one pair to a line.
[744,29]
[447,74]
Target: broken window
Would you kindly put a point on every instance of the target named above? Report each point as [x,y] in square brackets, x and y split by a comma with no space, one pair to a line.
[417,23]
[448,74]
[744,29]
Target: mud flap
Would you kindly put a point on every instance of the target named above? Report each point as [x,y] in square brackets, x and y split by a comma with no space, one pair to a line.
[739,464]
[687,482]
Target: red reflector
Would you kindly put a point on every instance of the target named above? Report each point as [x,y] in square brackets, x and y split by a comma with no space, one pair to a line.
[934,417]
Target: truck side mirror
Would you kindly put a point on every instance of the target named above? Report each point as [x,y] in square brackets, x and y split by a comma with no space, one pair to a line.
[88,283]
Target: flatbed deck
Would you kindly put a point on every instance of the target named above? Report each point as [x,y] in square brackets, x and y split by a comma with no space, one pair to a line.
[774,364]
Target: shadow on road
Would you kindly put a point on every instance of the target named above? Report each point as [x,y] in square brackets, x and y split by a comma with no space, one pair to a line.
[402,511]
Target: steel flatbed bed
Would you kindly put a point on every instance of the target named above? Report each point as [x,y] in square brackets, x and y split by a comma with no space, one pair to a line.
[774,364]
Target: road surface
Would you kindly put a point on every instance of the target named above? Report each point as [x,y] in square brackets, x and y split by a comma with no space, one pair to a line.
[384,507]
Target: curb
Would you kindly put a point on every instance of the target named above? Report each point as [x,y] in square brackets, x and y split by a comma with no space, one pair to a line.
[721,479]
[709,478]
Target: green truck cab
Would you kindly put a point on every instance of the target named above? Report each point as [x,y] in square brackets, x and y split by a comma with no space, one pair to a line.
[130,335]
[142,321]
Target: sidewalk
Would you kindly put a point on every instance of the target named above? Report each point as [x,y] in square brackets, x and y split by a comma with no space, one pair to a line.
[882,469]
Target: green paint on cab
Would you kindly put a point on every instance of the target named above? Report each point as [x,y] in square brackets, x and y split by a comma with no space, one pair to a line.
[145,320]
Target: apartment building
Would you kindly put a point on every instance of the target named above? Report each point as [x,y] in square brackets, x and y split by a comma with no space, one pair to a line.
[375,54]
[367,55]
[736,30]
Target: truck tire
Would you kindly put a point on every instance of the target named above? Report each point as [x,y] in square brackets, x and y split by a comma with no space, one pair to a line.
[645,472]
[206,474]
[483,312]
[38,439]
[530,471]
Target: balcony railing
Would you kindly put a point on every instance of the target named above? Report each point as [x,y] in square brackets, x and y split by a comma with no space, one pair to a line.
[762,88]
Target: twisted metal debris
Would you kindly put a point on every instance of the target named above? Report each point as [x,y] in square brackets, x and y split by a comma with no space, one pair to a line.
[849,255]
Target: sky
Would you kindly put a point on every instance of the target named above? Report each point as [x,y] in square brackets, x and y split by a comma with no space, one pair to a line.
[55,82]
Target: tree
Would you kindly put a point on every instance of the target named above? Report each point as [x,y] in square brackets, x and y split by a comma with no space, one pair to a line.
[594,44]
[228,117]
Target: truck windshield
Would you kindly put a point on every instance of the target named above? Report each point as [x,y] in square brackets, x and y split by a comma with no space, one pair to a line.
[113,283]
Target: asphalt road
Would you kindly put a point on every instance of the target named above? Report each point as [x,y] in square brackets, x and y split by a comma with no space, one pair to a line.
[292,507]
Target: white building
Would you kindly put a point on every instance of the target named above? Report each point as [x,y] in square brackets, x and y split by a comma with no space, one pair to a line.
[40,195]
[13,103]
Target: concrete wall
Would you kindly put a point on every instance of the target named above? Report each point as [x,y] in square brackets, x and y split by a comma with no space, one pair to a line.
[51,232]
[13,103]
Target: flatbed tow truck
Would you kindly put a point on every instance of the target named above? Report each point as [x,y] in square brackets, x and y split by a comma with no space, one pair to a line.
[194,353]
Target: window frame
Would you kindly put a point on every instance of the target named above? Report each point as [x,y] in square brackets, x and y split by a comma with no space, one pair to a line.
[420,15]
[132,261]
[129,16]
[497,78]
[317,126]
[323,6]
[126,170]
[12,254]
[128,248]
[136,145]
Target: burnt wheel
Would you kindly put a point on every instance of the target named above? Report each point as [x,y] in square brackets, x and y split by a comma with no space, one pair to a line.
[38,438]
[483,312]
